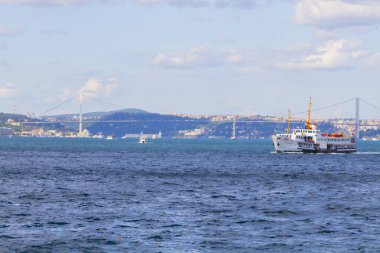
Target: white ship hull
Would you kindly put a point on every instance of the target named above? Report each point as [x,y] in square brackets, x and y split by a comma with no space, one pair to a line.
[284,145]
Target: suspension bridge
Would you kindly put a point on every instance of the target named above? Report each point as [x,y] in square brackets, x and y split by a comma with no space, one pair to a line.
[355,122]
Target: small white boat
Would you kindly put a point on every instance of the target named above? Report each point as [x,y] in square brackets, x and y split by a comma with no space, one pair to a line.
[109,137]
[143,140]
[98,136]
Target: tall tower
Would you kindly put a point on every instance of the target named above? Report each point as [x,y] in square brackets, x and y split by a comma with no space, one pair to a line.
[357,119]
[80,115]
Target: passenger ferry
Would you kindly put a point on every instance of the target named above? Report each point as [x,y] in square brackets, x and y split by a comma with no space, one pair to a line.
[311,140]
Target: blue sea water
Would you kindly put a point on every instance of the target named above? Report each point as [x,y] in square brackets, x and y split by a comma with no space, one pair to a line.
[91,195]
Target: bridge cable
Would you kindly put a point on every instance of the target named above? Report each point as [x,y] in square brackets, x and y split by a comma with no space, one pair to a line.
[368,103]
[325,107]
[56,106]
[103,101]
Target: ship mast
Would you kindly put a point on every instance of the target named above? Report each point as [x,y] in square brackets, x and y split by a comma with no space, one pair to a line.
[288,130]
[308,122]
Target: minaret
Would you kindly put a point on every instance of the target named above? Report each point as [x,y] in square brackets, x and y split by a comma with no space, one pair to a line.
[80,115]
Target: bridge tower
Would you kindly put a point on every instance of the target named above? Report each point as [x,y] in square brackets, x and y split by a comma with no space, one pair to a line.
[357,119]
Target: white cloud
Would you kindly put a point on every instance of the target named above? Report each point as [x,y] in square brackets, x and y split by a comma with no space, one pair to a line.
[91,87]
[244,4]
[177,3]
[373,60]
[3,45]
[325,34]
[95,87]
[249,69]
[48,2]
[4,32]
[8,90]
[110,86]
[300,46]
[337,13]
[8,32]
[234,58]
[4,63]
[198,57]
[333,55]
[223,40]
[66,94]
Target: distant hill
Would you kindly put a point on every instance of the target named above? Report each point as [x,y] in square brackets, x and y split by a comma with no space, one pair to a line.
[137,121]
[258,129]
[96,114]
[149,123]
[169,125]
[20,118]
[16,117]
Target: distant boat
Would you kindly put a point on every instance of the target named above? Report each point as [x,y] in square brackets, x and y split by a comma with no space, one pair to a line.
[143,140]
[98,136]
[109,137]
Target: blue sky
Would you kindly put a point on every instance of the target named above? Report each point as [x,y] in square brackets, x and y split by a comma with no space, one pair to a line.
[190,56]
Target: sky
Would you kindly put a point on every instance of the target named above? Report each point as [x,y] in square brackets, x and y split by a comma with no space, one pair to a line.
[190,56]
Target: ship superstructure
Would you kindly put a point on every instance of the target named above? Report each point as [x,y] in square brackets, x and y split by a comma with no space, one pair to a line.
[311,140]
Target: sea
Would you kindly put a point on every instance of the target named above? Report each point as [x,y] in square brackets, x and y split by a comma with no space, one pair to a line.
[176,195]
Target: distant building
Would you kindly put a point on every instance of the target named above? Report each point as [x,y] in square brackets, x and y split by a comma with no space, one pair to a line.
[151,136]
[192,133]
[85,134]
[6,131]
[12,122]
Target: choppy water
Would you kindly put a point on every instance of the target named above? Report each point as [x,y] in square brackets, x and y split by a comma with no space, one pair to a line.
[71,195]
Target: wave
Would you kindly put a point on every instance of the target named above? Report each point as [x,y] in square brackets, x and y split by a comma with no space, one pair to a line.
[368,153]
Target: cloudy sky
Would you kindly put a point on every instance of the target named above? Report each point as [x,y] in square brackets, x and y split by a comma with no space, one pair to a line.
[190,56]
